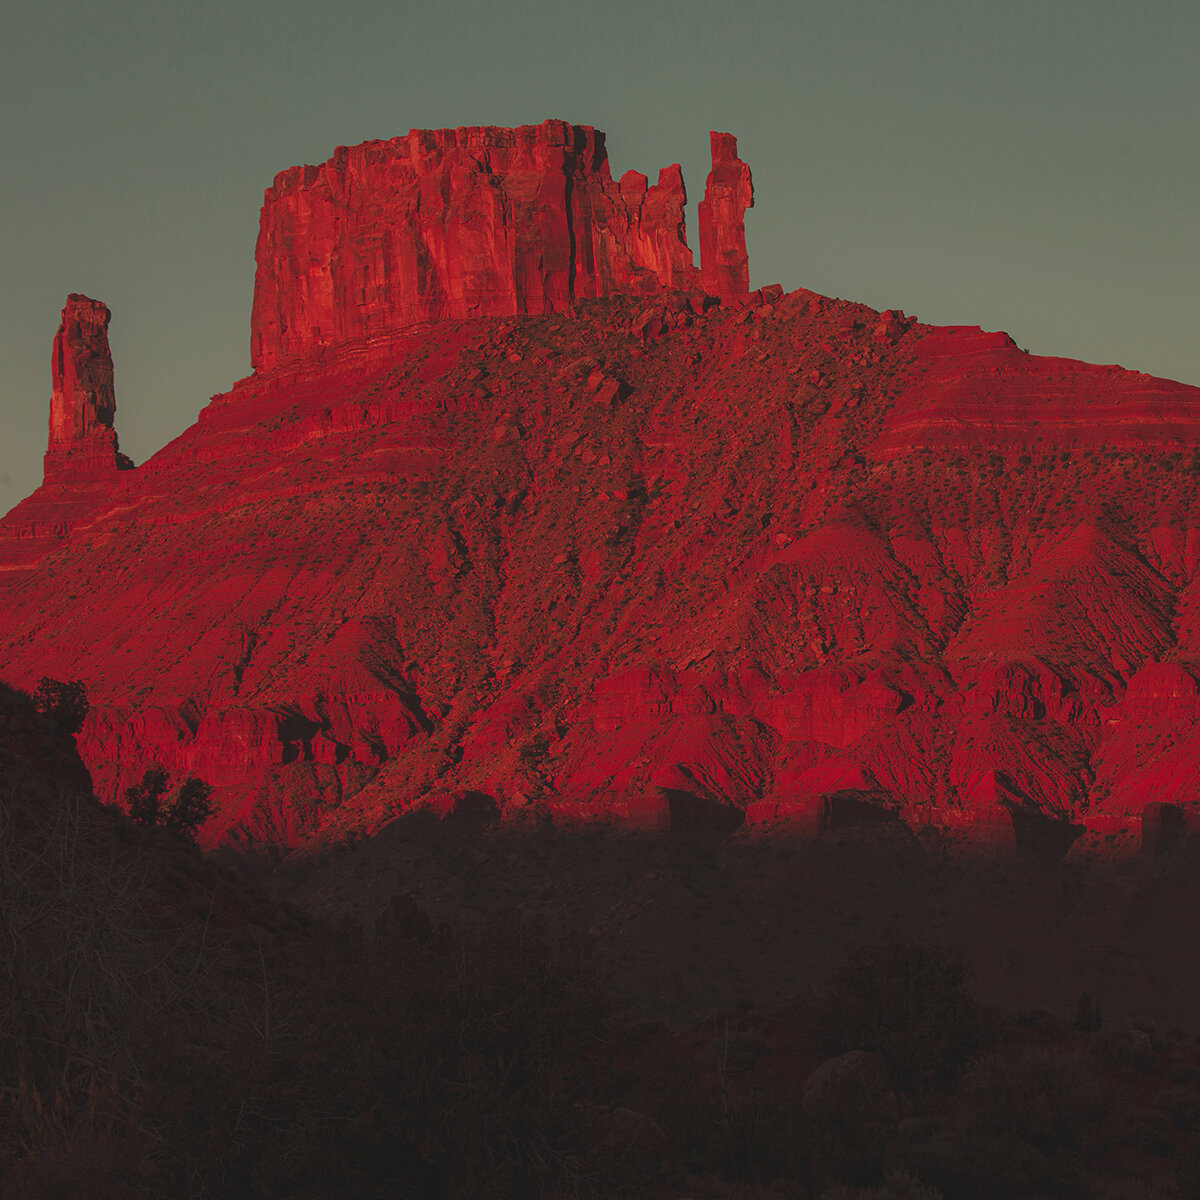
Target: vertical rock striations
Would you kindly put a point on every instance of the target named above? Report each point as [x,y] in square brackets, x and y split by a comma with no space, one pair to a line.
[662,562]
[82,460]
[473,222]
[83,442]
[724,263]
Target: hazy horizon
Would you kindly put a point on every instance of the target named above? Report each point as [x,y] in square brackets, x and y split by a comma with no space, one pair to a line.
[1029,169]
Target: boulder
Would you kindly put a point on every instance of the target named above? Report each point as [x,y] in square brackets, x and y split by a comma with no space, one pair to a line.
[858,1076]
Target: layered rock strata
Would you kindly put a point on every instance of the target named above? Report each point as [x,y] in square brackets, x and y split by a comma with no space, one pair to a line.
[476,222]
[83,442]
[83,461]
[785,560]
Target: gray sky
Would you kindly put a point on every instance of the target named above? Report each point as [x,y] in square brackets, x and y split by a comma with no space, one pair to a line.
[1030,167]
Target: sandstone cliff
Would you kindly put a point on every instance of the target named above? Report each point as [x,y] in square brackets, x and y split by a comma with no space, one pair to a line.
[768,557]
[476,222]
[83,442]
[82,457]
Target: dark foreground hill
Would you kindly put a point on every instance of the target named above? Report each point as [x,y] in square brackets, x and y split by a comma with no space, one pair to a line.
[168,1032]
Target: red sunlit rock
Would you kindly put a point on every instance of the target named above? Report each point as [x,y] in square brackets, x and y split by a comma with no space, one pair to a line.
[659,560]
[472,222]
[82,465]
[724,264]
[83,442]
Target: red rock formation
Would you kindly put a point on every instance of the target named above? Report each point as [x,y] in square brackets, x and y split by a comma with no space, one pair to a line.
[660,559]
[83,442]
[977,391]
[724,264]
[453,223]
[82,460]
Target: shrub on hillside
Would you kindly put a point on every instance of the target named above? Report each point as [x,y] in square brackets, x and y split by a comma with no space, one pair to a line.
[413,1061]
[1051,1099]
[182,811]
[909,1003]
[1024,1123]
[64,702]
[144,800]
[898,1186]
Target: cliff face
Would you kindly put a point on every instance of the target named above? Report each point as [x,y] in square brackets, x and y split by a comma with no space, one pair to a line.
[475,222]
[773,557]
[82,460]
[724,263]
[83,442]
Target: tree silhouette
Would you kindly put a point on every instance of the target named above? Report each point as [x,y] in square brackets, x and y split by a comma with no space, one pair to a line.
[183,813]
[65,703]
[145,799]
[192,807]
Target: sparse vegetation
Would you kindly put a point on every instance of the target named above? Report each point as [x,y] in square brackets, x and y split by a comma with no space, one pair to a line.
[261,1058]
[168,1033]
[182,810]
[909,1003]
[64,703]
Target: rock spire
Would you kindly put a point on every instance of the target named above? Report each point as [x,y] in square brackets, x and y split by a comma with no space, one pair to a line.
[83,442]
[724,263]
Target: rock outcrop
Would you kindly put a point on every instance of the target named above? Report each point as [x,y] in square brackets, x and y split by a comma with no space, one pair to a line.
[724,263]
[477,222]
[83,464]
[783,560]
[83,442]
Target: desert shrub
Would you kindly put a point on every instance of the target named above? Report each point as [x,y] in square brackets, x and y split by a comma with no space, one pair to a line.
[763,1137]
[144,800]
[1088,1017]
[535,751]
[1129,1052]
[65,703]
[671,1090]
[849,1134]
[980,1164]
[909,1003]
[1023,1124]
[1187,1169]
[1148,1132]
[1051,1099]
[1181,1103]
[746,1124]
[183,812]
[413,1062]
[191,807]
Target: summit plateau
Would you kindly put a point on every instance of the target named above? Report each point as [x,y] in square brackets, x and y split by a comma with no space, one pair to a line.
[522,508]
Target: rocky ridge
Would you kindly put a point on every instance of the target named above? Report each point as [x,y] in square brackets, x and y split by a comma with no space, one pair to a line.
[454,223]
[655,550]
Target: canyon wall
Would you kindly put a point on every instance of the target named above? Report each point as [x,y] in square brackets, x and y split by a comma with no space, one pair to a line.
[477,222]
